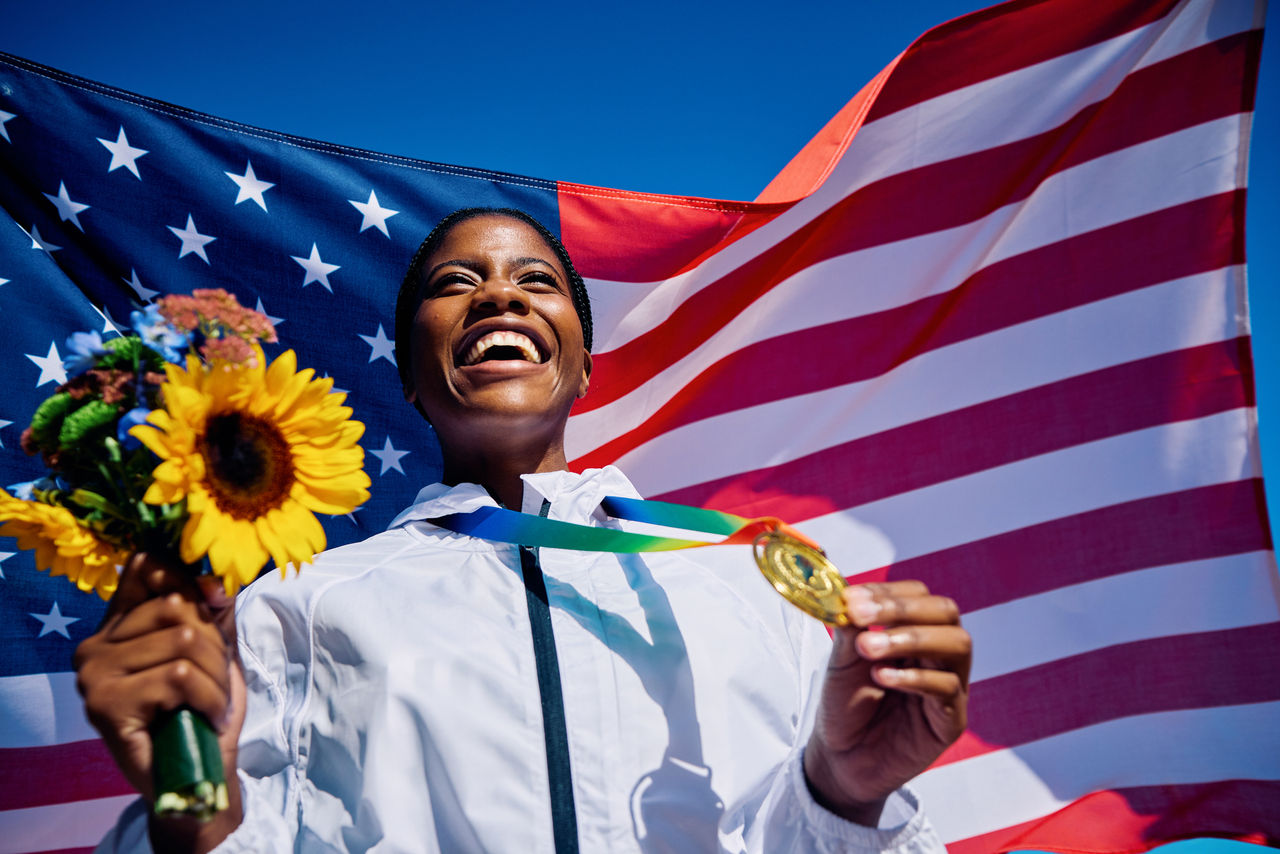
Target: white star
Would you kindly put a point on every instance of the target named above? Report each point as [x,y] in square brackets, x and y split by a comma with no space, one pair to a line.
[123,154]
[4,117]
[6,555]
[109,323]
[383,347]
[389,457]
[51,370]
[317,270]
[250,186]
[54,622]
[335,389]
[3,424]
[192,240]
[375,216]
[275,321]
[144,294]
[4,281]
[67,209]
[38,242]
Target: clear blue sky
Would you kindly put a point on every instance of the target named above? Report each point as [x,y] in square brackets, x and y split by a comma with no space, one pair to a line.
[695,98]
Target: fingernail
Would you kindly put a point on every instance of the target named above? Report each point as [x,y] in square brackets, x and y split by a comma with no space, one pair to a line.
[889,674]
[863,607]
[875,643]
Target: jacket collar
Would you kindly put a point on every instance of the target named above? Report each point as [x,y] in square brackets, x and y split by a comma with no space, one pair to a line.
[573,497]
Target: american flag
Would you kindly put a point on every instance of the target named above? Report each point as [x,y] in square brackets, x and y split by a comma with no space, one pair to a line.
[987,329]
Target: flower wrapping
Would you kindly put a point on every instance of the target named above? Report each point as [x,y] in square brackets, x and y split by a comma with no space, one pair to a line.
[182,438]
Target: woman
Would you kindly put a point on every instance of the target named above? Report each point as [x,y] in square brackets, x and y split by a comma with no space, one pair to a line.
[430,691]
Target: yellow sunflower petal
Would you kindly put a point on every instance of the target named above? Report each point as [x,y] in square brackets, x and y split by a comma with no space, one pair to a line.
[276,541]
[198,534]
[237,554]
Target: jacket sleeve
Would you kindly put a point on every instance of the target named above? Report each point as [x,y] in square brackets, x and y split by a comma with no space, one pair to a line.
[790,821]
[268,773]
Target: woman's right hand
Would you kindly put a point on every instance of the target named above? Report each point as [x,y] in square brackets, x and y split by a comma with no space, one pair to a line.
[166,642]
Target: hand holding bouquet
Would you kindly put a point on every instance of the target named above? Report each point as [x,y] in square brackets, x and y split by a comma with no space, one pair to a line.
[181,439]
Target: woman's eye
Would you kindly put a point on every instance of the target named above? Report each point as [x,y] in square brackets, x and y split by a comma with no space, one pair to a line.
[539,280]
[451,283]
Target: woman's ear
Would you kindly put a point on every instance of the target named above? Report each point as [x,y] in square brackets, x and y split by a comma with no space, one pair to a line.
[586,374]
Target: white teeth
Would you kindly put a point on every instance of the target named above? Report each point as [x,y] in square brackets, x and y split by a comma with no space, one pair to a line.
[503,339]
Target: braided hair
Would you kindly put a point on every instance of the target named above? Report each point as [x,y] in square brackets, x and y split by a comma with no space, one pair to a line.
[411,288]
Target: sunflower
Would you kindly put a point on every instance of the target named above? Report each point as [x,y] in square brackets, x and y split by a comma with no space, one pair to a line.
[61,544]
[255,451]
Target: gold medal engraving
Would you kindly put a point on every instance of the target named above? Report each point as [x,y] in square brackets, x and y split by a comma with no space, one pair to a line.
[803,575]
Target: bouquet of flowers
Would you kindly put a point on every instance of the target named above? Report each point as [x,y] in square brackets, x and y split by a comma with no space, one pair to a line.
[181,438]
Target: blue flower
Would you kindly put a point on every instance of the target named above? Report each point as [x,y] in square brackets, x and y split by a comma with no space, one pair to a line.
[27,491]
[157,334]
[131,419]
[84,349]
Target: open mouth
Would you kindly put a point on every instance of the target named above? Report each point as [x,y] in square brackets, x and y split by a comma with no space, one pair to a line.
[503,345]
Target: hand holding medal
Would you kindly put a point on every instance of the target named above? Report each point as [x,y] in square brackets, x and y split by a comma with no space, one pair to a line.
[894,698]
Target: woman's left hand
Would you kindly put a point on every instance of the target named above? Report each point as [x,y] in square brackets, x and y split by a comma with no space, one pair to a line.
[894,698]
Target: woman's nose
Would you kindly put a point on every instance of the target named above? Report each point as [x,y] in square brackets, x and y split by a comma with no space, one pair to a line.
[500,295]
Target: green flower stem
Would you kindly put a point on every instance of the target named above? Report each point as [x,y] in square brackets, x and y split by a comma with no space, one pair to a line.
[186,766]
[94,501]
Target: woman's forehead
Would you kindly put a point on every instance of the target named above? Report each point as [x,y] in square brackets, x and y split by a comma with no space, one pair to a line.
[494,235]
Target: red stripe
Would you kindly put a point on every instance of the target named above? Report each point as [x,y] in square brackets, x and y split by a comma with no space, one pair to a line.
[639,237]
[1144,677]
[61,773]
[1171,387]
[1140,818]
[1180,241]
[811,166]
[939,196]
[1195,524]
[1005,38]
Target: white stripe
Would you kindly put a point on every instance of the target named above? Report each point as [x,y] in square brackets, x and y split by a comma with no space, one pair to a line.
[1183,598]
[1171,457]
[1014,106]
[1102,192]
[42,709]
[80,824]
[1007,787]
[1038,98]
[1176,315]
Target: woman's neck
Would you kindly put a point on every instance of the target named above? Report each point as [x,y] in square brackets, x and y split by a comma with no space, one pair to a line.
[499,472]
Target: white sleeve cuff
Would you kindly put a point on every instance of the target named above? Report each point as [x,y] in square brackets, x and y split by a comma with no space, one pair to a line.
[903,828]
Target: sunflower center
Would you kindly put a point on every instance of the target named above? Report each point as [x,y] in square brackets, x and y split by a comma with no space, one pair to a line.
[248,465]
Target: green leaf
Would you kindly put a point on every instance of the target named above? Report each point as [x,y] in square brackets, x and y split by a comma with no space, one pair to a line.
[93,415]
[47,421]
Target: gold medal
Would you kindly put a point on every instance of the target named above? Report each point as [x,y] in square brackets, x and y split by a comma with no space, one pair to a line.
[803,575]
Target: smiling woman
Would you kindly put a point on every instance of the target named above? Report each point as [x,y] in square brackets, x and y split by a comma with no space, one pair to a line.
[474,696]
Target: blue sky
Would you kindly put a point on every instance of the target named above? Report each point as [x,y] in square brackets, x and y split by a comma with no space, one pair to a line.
[708,99]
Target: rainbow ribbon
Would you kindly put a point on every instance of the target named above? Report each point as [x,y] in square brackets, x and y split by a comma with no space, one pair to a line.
[507,526]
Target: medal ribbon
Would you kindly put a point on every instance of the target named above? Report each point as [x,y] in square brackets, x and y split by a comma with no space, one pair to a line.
[507,526]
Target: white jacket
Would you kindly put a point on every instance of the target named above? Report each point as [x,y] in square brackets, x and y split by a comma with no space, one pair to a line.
[394,703]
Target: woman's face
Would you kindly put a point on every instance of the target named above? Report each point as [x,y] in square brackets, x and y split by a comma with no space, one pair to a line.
[496,341]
